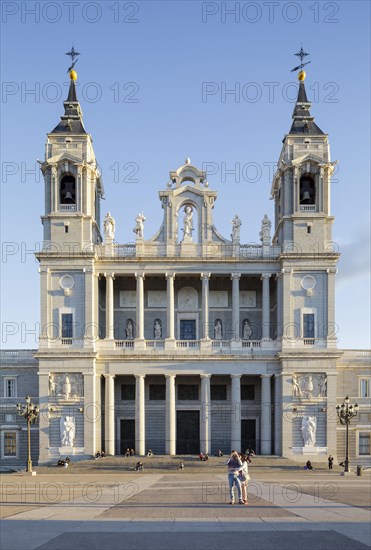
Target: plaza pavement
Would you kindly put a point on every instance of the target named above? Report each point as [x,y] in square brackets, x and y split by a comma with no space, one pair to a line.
[109,506]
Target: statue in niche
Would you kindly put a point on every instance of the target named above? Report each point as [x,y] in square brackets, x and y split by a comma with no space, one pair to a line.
[157,329]
[109,227]
[218,330]
[139,226]
[308,430]
[236,228]
[68,429]
[295,386]
[67,387]
[188,222]
[52,385]
[129,329]
[246,330]
[265,232]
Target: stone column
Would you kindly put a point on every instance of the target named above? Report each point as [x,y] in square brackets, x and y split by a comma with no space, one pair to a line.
[170,447]
[205,305]
[140,306]
[45,329]
[90,415]
[278,414]
[170,306]
[109,414]
[236,411]
[91,310]
[266,307]
[140,415]
[236,305]
[279,311]
[205,428]
[109,307]
[95,412]
[265,427]
[44,416]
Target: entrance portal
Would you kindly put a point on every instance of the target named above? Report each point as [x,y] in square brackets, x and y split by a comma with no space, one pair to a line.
[248,435]
[187,432]
[127,431]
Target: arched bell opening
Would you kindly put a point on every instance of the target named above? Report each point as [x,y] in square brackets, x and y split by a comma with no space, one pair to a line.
[307,190]
[67,189]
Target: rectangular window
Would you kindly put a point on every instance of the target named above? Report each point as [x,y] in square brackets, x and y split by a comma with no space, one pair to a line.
[365,387]
[308,325]
[128,392]
[157,392]
[247,392]
[10,444]
[10,387]
[188,392]
[67,321]
[10,418]
[364,444]
[218,392]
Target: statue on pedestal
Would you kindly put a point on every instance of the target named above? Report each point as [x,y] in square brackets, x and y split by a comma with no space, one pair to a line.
[188,223]
[139,226]
[236,228]
[308,430]
[265,232]
[109,227]
[67,427]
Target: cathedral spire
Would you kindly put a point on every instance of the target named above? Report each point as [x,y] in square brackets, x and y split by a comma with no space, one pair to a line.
[303,122]
[71,121]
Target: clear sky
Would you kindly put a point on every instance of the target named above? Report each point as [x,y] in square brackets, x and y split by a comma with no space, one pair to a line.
[153,83]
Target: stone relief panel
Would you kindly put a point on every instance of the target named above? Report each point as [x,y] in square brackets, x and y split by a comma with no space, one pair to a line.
[128,298]
[188,299]
[157,298]
[247,298]
[67,385]
[309,386]
[218,298]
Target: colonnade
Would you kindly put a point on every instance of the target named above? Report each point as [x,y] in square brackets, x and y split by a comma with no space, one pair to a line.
[170,305]
[205,420]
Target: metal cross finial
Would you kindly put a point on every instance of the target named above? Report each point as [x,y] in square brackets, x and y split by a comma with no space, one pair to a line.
[301,54]
[72,53]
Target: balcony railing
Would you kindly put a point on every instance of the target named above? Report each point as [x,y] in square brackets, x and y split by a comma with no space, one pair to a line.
[221,344]
[308,207]
[155,344]
[188,344]
[67,207]
[129,344]
[251,343]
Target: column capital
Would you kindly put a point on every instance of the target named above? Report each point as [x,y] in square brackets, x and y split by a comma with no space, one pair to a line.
[332,270]
[235,276]
[109,376]
[205,276]
[236,375]
[107,275]
[205,376]
[169,275]
[170,375]
[139,375]
[139,275]
[265,276]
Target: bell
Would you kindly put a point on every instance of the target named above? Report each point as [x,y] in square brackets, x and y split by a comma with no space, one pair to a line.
[306,197]
[68,197]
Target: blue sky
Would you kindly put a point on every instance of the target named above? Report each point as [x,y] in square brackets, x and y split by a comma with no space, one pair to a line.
[153,82]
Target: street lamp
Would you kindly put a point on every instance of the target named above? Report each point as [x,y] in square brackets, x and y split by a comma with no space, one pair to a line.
[30,412]
[345,413]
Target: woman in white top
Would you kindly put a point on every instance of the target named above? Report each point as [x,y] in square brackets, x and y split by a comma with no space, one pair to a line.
[244,477]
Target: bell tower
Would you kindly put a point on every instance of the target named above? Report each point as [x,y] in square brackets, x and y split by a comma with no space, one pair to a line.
[73,186]
[301,184]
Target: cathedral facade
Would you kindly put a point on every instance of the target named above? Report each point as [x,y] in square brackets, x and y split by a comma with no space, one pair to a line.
[188,341]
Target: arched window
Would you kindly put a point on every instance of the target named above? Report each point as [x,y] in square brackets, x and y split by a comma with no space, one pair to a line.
[307,190]
[67,190]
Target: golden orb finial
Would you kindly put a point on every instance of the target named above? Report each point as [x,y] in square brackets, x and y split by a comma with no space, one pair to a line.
[73,75]
[302,75]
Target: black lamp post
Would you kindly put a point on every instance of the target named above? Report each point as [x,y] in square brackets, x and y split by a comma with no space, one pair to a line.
[345,413]
[30,412]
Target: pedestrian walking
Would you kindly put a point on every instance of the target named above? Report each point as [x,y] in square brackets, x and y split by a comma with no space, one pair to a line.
[330,462]
[234,465]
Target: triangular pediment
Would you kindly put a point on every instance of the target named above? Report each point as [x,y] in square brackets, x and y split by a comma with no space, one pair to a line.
[62,157]
[309,157]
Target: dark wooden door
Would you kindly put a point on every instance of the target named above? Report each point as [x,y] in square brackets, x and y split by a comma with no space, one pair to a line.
[248,435]
[188,432]
[127,435]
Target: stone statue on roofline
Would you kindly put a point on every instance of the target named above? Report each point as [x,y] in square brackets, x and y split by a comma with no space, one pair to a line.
[236,229]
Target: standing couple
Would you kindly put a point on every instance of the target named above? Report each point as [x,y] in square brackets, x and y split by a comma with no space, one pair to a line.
[238,476]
